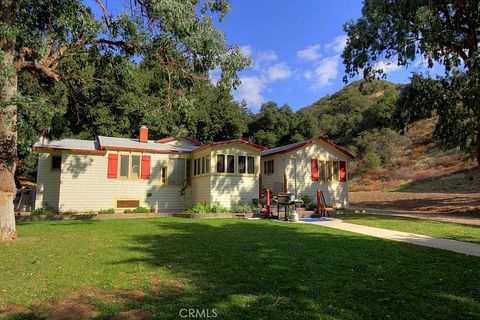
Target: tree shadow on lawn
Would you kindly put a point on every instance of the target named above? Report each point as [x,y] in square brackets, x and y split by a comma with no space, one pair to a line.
[270,270]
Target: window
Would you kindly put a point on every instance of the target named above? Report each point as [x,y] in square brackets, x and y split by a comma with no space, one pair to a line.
[188,171]
[220,163]
[177,171]
[204,165]
[268,166]
[207,164]
[251,165]
[336,170]
[242,165]
[321,170]
[135,167]
[124,163]
[195,167]
[230,164]
[163,175]
[329,170]
[56,162]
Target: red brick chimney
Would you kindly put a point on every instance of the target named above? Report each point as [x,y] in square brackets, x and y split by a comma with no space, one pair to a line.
[143,134]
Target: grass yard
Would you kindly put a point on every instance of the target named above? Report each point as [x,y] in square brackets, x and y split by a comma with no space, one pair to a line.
[447,230]
[244,269]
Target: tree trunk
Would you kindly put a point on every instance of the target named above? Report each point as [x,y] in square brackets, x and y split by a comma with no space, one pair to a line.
[478,142]
[8,121]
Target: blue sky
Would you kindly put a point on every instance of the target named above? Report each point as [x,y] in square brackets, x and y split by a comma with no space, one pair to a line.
[295,47]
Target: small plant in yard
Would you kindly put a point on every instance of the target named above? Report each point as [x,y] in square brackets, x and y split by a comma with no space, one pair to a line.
[138,210]
[106,211]
[241,207]
[90,212]
[207,208]
[42,212]
[306,200]
[70,212]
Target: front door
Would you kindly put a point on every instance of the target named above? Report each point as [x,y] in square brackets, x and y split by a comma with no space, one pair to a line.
[291,175]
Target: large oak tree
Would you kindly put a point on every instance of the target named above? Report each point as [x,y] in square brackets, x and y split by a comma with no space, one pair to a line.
[442,31]
[42,37]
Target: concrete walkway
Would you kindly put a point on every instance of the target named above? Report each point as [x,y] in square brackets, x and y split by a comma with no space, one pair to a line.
[421,215]
[467,248]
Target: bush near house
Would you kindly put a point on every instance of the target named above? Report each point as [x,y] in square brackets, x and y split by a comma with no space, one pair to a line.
[42,212]
[137,210]
[241,207]
[106,211]
[207,208]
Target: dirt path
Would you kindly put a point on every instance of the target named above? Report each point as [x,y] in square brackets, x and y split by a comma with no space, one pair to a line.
[451,204]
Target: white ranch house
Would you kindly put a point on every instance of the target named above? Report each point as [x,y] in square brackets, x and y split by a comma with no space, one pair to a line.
[304,167]
[169,174]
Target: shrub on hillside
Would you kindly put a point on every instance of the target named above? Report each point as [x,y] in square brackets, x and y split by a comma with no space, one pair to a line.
[377,147]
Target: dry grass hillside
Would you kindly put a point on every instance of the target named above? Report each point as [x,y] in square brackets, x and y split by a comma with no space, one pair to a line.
[423,167]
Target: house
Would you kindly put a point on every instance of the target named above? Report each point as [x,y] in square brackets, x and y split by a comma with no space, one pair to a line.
[168,174]
[304,167]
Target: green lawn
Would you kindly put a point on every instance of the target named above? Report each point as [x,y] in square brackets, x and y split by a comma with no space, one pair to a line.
[243,269]
[445,230]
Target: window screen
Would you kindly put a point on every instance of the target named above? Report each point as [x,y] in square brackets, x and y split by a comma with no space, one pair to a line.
[251,165]
[124,165]
[56,162]
[220,163]
[242,166]
[230,164]
[135,170]
[176,175]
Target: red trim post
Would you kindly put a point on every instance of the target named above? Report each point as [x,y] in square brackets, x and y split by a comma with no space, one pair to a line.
[318,202]
[267,200]
[285,183]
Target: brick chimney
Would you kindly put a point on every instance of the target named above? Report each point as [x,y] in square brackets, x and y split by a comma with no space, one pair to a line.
[143,134]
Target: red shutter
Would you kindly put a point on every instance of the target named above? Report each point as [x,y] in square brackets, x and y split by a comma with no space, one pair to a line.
[343,171]
[112,166]
[145,167]
[314,168]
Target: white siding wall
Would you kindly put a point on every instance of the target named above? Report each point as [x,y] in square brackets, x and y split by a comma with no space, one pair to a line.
[228,189]
[85,186]
[48,183]
[333,191]
[274,181]
[201,189]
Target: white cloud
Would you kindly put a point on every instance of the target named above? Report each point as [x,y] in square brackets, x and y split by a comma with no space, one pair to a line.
[338,44]
[387,66]
[215,75]
[250,90]
[308,75]
[246,50]
[278,71]
[265,57]
[326,71]
[310,53]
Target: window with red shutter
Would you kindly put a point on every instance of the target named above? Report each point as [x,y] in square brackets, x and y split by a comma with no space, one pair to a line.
[314,168]
[343,171]
[112,166]
[146,167]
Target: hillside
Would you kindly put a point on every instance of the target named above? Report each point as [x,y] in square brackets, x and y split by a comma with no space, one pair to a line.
[362,117]
[422,166]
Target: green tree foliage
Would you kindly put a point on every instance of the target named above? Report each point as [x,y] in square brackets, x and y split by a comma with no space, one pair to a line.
[444,97]
[445,32]
[360,106]
[274,126]
[377,147]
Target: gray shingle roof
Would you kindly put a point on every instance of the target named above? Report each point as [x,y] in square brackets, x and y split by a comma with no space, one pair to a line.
[73,144]
[281,148]
[135,144]
[105,142]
